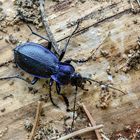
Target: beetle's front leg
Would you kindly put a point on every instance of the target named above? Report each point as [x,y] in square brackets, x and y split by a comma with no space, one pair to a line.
[58,89]
[50,94]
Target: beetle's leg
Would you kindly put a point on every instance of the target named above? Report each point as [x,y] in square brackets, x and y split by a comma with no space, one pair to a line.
[50,94]
[37,33]
[74,107]
[49,45]
[65,48]
[34,80]
[58,89]
[68,61]
[12,77]
[76,61]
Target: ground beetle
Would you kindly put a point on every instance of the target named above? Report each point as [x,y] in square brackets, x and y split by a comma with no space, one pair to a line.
[41,62]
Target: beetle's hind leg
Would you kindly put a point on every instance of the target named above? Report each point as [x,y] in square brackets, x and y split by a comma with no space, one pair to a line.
[58,89]
[12,77]
[50,94]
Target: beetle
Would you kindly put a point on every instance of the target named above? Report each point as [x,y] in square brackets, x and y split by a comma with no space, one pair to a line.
[41,62]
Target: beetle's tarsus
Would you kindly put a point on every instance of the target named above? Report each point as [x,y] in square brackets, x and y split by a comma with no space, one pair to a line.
[34,80]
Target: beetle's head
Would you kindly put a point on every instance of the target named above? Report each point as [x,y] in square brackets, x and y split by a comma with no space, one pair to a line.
[77,80]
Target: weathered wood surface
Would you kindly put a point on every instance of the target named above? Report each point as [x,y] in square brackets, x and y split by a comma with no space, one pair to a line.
[99,19]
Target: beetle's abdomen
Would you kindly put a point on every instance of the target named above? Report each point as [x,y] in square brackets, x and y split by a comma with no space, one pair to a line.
[36,60]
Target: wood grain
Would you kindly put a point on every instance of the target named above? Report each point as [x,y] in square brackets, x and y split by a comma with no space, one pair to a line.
[97,21]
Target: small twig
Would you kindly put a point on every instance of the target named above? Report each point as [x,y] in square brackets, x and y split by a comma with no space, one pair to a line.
[39,108]
[74,108]
[48,30]
[92,121]
[104,137]
[80,132]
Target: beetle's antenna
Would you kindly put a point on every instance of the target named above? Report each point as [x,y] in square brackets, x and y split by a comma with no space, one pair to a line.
[72,34]
[12,77]
[65,48]
[74,108]
[102,84]
[34,33]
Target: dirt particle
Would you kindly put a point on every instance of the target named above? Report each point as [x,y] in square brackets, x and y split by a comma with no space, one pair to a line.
[28,125]
[44,98]
[32,90]
[1,3]
[82,1]
[8,96]
[11,83]
[13,39]
[2,15]
[127,128]
[104,53]
[3,110]
[1,37]
[2,29]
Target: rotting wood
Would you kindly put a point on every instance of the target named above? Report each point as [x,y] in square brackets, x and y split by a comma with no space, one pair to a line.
[80,132]
[39,108]
[92,18]
[92,121]
[115,113]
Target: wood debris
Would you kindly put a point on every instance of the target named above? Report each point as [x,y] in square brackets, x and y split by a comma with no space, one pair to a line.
[39,108]
[80,132]
[92,121]
[133,59]
[47,28]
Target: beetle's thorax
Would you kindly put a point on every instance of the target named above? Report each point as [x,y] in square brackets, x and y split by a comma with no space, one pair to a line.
[64,74]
